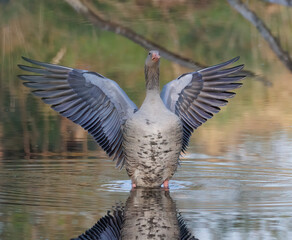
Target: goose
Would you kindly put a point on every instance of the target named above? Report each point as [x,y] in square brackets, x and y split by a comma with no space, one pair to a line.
[149,213]
[147,141]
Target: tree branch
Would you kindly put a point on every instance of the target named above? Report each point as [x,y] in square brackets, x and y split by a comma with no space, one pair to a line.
[282,2]
[85,8]
[264,31]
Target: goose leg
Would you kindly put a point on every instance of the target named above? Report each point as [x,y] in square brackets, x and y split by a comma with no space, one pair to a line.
[133,185]
[166,184]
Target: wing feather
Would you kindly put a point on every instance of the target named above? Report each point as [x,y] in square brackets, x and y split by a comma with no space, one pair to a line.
[89,99]
[195,97]
[108,227]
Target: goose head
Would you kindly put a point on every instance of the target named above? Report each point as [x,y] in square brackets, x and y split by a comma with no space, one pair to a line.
[152,70]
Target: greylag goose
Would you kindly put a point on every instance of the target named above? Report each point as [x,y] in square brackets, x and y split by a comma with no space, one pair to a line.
[149,140]
[149,213]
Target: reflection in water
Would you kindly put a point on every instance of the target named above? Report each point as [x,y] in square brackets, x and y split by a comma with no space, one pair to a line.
[107,228]
[235,183]
[148,214]
[223,197]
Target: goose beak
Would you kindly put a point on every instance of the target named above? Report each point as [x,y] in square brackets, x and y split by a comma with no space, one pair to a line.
[155,57]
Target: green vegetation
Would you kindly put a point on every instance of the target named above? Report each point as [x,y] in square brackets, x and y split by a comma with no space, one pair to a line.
[205,31]
[208,33]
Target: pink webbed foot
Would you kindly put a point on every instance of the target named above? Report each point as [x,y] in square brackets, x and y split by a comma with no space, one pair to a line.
[166,184]
[134,185]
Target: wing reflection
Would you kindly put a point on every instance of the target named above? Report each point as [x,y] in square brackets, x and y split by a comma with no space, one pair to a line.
[148,214]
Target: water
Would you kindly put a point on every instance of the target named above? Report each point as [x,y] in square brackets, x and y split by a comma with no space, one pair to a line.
[221,197]
[235,180]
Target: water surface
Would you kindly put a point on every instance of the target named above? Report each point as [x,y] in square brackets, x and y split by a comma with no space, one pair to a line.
[235,180]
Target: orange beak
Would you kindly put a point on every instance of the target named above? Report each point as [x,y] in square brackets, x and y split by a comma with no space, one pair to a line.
[155,57]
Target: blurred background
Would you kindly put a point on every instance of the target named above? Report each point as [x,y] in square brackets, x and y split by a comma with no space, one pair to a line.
[235,181]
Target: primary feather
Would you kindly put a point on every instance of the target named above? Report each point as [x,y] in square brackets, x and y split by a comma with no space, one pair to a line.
[196,96]
[89,99]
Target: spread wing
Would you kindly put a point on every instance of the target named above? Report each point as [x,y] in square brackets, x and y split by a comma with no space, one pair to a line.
[110,226]
[196,96]
[89,99]
[107,228]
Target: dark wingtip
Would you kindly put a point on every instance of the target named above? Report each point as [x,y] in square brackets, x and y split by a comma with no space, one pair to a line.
[46,65]
[236,58]
[217,67]
[25,58]
[21,77]
[242,77]
[22,67]
[239,67]
[31,61]
[233,60]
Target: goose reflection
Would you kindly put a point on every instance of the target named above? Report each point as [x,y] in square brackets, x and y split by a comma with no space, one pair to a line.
[147,214]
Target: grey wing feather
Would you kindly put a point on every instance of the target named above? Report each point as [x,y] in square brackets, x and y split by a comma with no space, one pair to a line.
[196,96]
[107,228]
[89,99]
